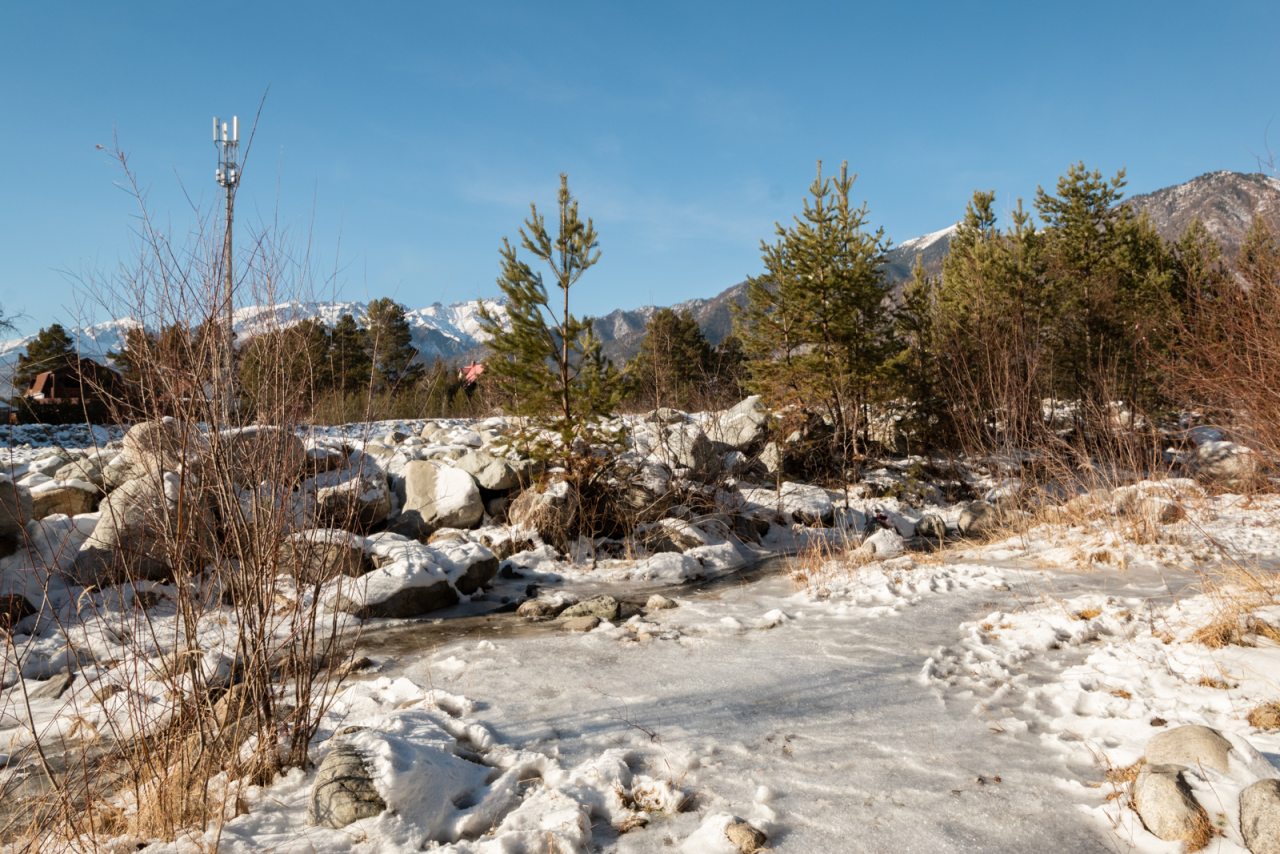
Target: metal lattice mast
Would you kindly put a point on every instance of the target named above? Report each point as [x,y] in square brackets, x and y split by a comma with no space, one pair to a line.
[227,140]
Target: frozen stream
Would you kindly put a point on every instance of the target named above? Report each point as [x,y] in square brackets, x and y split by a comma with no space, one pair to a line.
[808,716]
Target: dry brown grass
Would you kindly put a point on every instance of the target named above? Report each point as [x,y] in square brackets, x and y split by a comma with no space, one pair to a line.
[1266,716]
[1124,774]
[1214,682]
[1201,834]
[1223,631]
[824,558]
[1263,629]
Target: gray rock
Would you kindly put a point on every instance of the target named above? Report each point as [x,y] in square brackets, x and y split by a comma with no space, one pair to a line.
[318,556]
[604,607]
[445,497]
[164,445]
[536,610]
[258,453]
[741,427]
[1226,464]
[488,471]
[66,498]
[931,527]
[344,791]
[658,602]
[1167,807]
[135,536]
[747,838]
[978,519]
[1260,817]
[15,511]
[579,624]
[1191,746]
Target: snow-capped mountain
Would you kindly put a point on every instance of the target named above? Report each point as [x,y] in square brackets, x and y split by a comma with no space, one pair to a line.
[439,331]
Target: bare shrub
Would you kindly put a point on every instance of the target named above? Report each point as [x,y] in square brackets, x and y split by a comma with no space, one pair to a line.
[209,655]
[1227,362]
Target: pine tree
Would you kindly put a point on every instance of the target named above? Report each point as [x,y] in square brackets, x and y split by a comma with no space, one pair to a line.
[728,371]
[350,368]
[136,352]
[390,345]
[546,361]
[816,327]
[51,350]
[674,365]
[988,326]
[1110,286]
[282,370]
[915,367]
[1259,260]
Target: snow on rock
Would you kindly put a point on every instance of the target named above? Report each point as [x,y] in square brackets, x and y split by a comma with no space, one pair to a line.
[414,578]
[443,496]
[1227,464]
[799,502]
[885,544]
[356,495]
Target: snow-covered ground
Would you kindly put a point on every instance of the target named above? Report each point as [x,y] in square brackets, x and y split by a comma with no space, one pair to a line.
[971,700]
[967,699]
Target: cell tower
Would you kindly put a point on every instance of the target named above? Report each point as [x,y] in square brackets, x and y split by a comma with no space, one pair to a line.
[227,141]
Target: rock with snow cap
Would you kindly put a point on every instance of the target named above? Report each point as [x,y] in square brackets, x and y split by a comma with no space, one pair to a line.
[1227,465]
[1191,746]
[344,791]
[741,427]
[355,497]
[444,496]
[70,498]
[164,445]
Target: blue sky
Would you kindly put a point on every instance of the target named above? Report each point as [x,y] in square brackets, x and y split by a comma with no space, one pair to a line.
[406,139]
